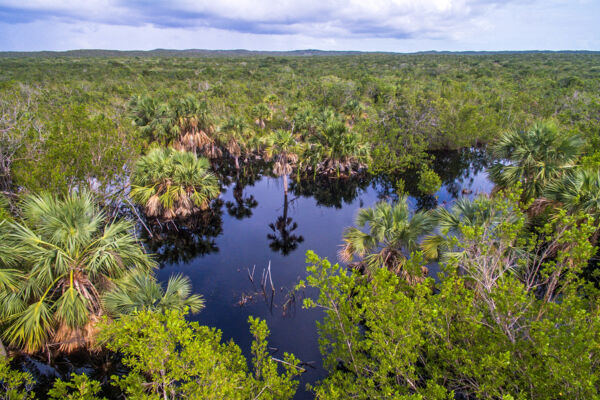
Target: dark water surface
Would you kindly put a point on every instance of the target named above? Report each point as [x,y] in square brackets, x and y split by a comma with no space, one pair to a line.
[260,226]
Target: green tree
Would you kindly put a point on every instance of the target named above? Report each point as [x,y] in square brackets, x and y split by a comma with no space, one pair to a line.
[170,358]
[79,387]
[429,181]
[577,191]
[79,150]
[262,114]
[139,291]
[235,138]
[464,212]
[339,150]
[193,126]
[153,119]
[283,148]
[14,385]
[517,323]
[171,183]
[535,157]
[393,232]
[57,261]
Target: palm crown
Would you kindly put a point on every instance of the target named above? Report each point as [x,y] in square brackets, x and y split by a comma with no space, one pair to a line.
[535,157]
[172,183]
[67,254]
[282,146]
[391,231]
[139,291]
[338,149]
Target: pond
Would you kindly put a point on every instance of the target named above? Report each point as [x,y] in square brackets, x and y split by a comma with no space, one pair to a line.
[257,226]
[253,225]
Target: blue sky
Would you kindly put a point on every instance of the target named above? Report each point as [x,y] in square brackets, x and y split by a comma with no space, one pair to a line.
[368,25]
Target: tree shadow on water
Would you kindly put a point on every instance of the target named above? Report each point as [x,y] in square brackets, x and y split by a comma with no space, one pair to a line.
[283,239]
[180,241]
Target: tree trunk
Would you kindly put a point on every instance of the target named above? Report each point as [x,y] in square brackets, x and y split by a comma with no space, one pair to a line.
[285,185]
[237,163]
[3,352]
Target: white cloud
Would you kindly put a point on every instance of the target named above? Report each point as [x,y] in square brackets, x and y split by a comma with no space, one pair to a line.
[318,18]
[392,25]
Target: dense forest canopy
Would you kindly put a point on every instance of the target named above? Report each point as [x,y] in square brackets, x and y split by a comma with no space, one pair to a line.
[403,105]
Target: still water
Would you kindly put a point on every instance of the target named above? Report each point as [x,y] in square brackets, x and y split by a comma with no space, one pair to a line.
[255,225]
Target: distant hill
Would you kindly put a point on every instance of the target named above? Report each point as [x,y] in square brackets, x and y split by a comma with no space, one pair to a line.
[178,53]
[246,53]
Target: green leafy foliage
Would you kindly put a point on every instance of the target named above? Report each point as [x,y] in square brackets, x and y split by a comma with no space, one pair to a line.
[392,231]
[536,157]
[171,183]
[139,291]
[429,181]
[80,149]
[169,357]
[56,261]
[510,318]
[14,385]
[398,106]
[79,387]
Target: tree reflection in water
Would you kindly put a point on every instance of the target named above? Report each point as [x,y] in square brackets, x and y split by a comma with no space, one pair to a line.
[283,239]
[181,241]
[331,192]
[242,206]
[455,168]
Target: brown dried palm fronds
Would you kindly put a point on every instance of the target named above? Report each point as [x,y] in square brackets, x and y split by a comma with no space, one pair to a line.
[70,339]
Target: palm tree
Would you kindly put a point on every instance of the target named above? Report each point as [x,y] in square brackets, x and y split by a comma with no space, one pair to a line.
[340,149]
[392,231]
[463,213]
[577,191]
[152,118]
[283,237]
[68,254]
[262,114]
[282,146]
[139,291]
[304,120]
[536,157]
[235,132]
[354,110]
[193,127]
[170,183]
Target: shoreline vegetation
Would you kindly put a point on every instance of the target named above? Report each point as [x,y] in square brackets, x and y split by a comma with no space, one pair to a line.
[99,151]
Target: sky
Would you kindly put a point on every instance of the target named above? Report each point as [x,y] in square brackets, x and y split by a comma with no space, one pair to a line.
[365,25]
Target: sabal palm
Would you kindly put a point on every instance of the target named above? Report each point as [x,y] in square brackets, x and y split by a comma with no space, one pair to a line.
[152,118]
[140,291]
[463,213]
[172,183]
[341,150]
[68,254]
[305,121]
[536,157]
[392,230]
[193,126]
[354,110]
[577,191]
[262,113]
[235,137]
[282,146]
